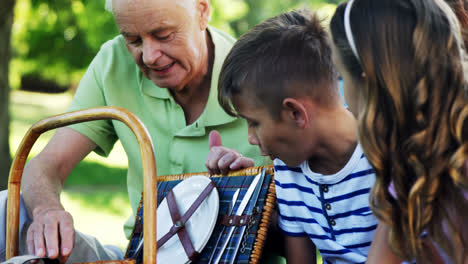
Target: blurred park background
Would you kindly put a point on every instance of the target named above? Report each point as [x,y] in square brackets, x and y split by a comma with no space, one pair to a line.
[45,47]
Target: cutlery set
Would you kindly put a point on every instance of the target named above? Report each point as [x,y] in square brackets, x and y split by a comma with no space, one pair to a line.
[248,204]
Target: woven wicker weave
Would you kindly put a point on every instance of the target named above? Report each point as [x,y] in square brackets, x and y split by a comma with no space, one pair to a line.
[149,180]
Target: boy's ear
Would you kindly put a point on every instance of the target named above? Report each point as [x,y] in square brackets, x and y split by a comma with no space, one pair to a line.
[296,111]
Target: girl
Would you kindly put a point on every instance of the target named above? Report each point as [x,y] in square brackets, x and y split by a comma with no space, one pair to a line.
[402,63]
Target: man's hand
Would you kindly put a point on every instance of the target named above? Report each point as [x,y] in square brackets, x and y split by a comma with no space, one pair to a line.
[51,234]
[221,159]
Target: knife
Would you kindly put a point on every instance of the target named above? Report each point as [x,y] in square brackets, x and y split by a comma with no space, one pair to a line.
[239,212]
[249,210]
[230,209]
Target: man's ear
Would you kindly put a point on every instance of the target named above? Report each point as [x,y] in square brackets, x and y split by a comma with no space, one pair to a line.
[296,111]
[204,12]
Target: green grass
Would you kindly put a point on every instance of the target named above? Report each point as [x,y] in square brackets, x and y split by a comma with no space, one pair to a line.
[100,213]
[93,174]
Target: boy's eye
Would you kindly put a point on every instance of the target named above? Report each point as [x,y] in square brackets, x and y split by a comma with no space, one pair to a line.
[252,123]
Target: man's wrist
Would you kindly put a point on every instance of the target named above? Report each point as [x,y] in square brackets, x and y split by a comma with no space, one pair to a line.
[42,210]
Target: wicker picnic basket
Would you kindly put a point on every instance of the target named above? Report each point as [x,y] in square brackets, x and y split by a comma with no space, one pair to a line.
[147,212]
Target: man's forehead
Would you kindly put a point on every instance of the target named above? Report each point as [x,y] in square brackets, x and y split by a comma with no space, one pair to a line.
[112,4]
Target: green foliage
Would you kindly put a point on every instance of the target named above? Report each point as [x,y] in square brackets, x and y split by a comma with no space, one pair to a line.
[88,173]
[238,16]
[58,39]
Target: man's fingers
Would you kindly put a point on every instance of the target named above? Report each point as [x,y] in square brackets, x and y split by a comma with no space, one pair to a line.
[67,237]
[39,246]
[51,234]
[214,139]
[30,242]
[51,239]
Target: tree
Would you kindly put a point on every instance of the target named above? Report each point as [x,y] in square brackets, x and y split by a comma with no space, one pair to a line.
[6,21]
[258,10]
[62,39]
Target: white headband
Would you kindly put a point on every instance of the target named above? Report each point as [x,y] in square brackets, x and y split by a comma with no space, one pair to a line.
[349,33]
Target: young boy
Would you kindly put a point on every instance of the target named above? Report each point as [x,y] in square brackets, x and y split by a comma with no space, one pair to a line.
[279,77]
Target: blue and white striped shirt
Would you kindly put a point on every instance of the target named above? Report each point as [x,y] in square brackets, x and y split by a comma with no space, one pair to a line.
[332,210]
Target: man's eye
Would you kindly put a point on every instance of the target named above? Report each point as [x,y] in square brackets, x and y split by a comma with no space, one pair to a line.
[164,37]
[134,41]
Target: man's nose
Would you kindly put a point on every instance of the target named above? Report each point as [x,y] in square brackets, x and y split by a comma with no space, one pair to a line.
[151,52]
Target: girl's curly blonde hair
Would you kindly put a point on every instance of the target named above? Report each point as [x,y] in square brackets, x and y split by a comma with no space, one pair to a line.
[413,123]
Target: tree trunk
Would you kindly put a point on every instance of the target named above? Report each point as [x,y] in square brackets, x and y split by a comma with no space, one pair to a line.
[6,22]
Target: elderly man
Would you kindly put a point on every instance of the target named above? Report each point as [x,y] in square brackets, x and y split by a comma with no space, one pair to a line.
[163,67]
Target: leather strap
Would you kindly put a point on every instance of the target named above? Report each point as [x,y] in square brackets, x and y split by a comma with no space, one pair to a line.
[235,220]
[179,222]
[179,226]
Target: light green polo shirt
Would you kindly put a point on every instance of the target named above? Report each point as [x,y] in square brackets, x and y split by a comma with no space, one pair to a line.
[113,79]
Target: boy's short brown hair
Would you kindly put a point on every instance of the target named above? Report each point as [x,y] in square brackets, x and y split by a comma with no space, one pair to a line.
[285,56]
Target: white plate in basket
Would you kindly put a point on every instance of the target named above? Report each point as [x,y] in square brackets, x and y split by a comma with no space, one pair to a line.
[200,225]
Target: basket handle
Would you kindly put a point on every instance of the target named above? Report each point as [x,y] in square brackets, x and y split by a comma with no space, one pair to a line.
[90,114]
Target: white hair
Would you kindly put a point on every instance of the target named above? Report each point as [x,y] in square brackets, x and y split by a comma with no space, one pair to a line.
[108,5]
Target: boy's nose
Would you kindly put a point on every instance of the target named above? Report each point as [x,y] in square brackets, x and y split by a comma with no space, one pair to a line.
[253,140]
